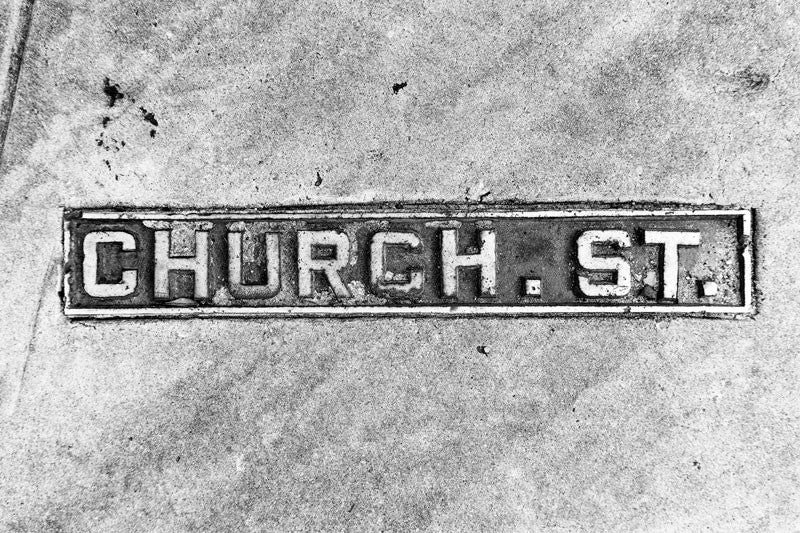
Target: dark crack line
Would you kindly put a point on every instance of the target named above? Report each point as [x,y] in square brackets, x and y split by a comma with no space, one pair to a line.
[31,347]
[13,48]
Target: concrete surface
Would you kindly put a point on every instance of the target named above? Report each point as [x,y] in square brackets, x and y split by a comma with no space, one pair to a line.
[565,425]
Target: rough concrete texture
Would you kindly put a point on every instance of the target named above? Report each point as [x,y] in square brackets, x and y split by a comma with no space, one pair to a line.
[397,424]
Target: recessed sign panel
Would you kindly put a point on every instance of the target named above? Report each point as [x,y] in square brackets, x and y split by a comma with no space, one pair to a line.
[408,261]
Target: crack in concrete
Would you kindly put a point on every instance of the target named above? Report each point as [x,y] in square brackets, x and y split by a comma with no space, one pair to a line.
[11,60]
[12,402]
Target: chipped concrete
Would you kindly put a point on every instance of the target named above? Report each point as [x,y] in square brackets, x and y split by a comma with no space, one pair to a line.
[400,424]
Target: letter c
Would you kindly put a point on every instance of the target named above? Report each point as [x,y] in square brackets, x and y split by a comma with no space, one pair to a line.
[106,290]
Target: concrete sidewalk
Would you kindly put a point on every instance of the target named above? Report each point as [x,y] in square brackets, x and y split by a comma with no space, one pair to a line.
[565,424]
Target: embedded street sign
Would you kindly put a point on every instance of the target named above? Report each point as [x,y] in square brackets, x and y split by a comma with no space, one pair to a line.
[408,261]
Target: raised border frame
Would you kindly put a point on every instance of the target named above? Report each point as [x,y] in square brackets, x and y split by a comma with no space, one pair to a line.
[360,212]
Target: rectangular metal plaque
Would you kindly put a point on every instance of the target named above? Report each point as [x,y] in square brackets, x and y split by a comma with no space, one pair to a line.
[408,261]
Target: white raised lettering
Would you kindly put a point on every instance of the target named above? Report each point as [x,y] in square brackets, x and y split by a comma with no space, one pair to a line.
[236,255]
[306,242]
[164,263]
[127,285]
[410,281]
[586,258]
[671,240]
[485,259]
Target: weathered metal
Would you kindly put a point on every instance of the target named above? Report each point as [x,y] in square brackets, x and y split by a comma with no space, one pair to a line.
[409,261]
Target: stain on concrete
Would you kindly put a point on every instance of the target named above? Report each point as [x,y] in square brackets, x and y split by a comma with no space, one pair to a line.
[112,92]
[148,116]
[751,80]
